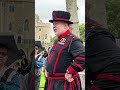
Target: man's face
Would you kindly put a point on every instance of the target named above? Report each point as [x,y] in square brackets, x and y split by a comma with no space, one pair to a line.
[36,50]
[3,55]
[59,27]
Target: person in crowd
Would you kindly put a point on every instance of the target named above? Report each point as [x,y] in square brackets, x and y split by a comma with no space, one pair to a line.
[102,58]
[9,78]
[38,66]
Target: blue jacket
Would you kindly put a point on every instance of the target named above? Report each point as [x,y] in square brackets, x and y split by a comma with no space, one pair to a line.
[39,63]
[14,84]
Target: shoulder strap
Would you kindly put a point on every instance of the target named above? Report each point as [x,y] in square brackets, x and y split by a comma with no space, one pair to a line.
[37,57]
[70,43]
[72,39]
[7,74]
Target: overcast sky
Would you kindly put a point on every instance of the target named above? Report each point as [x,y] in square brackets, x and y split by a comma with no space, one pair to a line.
[44,8]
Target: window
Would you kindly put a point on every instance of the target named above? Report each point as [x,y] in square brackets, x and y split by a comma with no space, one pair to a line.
[11,8]
[42,37]
[26,25]
[39,29]
[10,26]
[45,36]
[19,39]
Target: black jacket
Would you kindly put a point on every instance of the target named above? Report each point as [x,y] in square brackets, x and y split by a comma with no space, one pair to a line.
[101,52]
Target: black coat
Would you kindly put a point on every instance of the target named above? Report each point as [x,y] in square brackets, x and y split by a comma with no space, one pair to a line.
[102,54]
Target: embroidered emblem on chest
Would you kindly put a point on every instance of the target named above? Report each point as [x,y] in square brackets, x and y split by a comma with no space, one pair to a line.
[62,41]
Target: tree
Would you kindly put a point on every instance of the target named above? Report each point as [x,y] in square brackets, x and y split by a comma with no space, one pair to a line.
[113,16]
[82,31]
[52,39]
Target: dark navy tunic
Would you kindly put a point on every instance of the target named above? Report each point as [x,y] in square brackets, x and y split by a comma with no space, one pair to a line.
[67,54]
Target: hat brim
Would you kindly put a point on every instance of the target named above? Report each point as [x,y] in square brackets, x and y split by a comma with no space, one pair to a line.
[69,22]
[12,57]
[9,42]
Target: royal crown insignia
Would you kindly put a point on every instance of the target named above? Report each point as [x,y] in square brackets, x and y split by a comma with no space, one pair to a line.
[63,40]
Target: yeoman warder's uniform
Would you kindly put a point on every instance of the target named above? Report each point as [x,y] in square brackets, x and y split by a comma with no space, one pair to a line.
[66,55]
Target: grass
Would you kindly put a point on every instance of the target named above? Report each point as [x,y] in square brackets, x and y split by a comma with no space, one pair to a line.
[42,81]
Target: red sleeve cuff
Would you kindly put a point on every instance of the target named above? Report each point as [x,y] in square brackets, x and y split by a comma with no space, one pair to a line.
[71,70]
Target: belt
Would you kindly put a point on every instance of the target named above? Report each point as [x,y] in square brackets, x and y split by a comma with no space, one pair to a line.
[61,76]
[105,76]
[56,76]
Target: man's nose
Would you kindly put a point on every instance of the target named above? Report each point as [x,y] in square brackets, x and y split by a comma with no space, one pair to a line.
[53,26]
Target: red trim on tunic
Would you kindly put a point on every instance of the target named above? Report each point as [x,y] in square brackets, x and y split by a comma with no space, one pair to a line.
[51,54]
[64,34]
[71,70]
[50,83]
[32,81]
[70,86]
[78,82]
[110,77]
[88,25]
[55,46]
[61,76]
[78,65]
[74,84]
[94,88]
[65,85]
[80,58]
[59,53]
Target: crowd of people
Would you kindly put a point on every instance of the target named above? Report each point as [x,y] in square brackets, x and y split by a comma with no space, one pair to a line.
[10,78]
[40,64]
[16,70]
[62,62]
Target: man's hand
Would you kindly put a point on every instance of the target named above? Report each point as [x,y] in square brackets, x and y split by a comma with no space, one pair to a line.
[68,77]
[46,73]
[43,69]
